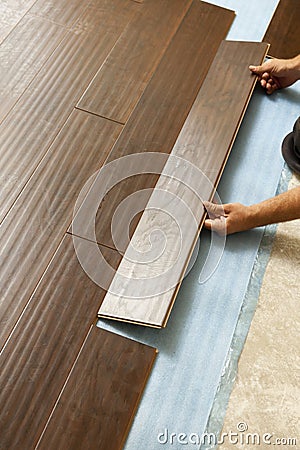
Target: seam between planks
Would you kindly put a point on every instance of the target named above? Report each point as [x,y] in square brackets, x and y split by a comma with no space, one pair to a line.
[64,385]
[25,13]
[98,115]
[42,66]
[30,296]
[93,242]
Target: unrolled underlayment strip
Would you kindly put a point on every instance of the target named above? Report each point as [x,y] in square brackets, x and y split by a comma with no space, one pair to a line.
[147,281]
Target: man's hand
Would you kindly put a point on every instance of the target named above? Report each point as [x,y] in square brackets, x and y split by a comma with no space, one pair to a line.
[227,219]
[234,217]
[277,73]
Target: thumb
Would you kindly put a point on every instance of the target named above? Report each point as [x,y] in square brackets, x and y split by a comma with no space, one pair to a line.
[214,208]
[259,69]
[265,67]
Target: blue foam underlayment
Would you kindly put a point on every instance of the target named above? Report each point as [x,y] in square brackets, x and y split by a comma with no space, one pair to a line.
[193,348]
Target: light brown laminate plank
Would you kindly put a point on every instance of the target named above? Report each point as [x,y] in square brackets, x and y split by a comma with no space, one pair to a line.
[64,12]
[39,355]
[283,31]
[101,396]
[34,227]
[31,126]
[157,119]
[205,142]
[22,55]
[11,12]
[118,85]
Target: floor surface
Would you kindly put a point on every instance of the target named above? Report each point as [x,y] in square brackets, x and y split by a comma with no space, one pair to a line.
[183,398]
[267,383]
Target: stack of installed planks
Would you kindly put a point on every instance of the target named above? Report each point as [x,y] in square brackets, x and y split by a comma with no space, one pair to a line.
[84,83]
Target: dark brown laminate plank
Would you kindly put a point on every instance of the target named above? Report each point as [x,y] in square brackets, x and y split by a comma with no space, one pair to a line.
[205,141]
[22,55]
[32,230]
[101,395]
[41,351]
[31,126]
[118,85]
[283,31]
[160,114]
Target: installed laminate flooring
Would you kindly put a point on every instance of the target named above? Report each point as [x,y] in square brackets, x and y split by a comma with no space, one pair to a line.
[283,30]
[41,351]
[157,120]
[32,230]
[205,141]
[63,382]
[118,85]
[101,395]
[63,12]
[31,126]
[22,55]
[11,12]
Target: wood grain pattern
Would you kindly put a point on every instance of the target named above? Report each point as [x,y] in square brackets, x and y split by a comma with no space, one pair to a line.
[283,30]
[32,230]
[205,141]
[118,85]
[63,12]
[30,128]
[11,12]
[160,114]
[41,351]
[107,15]
[101,396]
[22,55]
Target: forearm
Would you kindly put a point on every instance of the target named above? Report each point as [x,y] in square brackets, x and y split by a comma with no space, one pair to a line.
[294,66]
[281,208]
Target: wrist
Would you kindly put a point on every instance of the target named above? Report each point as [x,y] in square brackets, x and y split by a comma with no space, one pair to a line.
[254,216]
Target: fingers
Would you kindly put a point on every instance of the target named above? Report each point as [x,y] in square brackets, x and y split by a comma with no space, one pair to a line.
[265,74]
[269,85]
[217,225]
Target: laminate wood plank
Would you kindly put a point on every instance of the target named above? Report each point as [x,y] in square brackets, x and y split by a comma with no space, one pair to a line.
[32,230]
[64,12]
[40,353]
[118,85]
[22,55]
[283,30]
[11,12]
[102,4]
[30,128]
[205,142]
[158,118]
[101,396]
[113,15]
